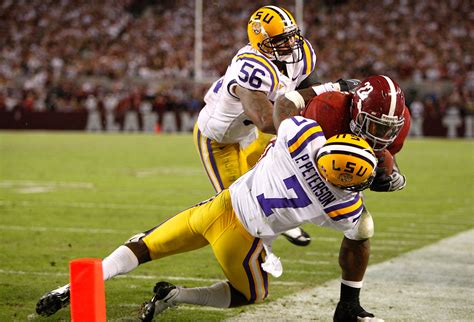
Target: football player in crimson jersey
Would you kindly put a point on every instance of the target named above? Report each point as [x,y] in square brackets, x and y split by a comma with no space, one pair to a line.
[376,111]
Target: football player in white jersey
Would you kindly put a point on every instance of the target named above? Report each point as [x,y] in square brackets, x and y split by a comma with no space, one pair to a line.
[302,178]
[235,125]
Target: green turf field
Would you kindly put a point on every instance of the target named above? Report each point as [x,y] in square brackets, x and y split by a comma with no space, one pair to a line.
[68,195]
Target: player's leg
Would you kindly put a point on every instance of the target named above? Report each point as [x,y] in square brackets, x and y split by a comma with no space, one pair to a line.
[252,149]
[171,237]
[239,255]
[353,258]
[221,161]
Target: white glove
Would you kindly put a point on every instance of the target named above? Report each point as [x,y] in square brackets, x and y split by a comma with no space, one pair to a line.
[397,182]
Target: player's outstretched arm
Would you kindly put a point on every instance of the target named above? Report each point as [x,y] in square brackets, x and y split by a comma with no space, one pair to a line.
[291,104]
[257,107]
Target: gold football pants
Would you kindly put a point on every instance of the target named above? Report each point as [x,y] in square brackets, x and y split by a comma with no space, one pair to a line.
[225,163]
[214,222]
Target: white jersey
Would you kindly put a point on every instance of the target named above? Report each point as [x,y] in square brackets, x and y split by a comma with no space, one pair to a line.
[285,189]
[222,119]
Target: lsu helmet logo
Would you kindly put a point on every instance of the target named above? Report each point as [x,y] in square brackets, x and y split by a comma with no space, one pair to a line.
[347,161]
[345,177]
[256,27]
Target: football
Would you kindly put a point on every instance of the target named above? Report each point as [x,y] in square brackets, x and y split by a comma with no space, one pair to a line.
[385,160]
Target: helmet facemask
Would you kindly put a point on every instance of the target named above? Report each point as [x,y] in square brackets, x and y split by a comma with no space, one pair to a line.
[378,132]
[286,47]
[377,110]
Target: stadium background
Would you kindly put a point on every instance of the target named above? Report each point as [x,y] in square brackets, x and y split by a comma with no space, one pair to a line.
[95,65]
[71,194]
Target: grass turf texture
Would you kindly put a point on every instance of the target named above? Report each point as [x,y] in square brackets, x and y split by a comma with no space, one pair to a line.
[68,195]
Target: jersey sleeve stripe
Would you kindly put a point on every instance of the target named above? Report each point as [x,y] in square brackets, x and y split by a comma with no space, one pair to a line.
[265,64]
[345,210]
[308,54]
[307,134]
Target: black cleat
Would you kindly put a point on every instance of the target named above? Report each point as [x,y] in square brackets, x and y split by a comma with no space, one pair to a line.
[297,236]
[162,299]
[53,301]
[353,312]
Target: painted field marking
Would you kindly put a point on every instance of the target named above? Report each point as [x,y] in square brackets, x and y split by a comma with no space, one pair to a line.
[54,184]
[141,277]
[418,236]
[185,171]
[88,205]
[62,229]
[304,272]
[187,307]
[308,262]
[30,187]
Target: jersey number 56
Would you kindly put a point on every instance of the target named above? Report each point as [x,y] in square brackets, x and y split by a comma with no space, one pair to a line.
[250,74]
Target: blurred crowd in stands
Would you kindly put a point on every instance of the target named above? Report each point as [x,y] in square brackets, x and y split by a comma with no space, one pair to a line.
[129,54]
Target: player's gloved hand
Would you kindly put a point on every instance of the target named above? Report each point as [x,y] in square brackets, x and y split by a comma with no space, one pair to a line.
[385,183]
[347,85]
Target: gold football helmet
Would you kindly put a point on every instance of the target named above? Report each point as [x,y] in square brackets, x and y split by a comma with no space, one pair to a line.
[273,32]
[347,161]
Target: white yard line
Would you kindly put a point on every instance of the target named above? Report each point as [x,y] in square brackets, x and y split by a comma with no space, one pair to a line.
[62,229]
[88,205]
[188,171]
[50,184]
[155,278]
[434,283]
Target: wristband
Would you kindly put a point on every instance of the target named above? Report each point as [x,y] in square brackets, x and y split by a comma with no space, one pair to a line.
[326,87]
[296,98]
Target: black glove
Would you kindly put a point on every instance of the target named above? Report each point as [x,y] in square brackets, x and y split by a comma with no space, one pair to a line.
[348,84]
[384,183]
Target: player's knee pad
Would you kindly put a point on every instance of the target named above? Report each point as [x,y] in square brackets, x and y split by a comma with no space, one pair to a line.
[365,228]
[138,247]
[135,238]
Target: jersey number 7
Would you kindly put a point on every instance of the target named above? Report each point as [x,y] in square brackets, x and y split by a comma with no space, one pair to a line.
[302,200]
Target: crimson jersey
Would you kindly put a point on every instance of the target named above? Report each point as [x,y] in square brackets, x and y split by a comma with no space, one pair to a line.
[332,111]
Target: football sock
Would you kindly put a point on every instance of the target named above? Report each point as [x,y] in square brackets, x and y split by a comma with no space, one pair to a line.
[121,261]
[350,291]
[217,295]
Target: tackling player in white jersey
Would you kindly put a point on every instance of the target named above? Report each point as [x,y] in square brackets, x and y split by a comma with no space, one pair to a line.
[235,125]
[302,178]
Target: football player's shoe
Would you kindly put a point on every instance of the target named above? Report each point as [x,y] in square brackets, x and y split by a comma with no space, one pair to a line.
[297,236]
[353,312]
[53,301]
[164,296]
